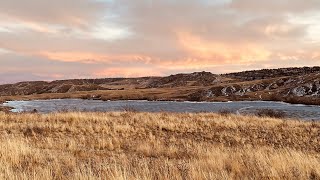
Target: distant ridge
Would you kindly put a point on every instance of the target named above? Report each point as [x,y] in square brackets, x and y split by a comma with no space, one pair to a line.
[265,84]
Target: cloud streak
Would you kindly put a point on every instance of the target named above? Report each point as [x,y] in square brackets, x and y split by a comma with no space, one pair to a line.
[78,13]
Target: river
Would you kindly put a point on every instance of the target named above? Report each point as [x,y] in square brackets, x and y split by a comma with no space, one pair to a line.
[241,107]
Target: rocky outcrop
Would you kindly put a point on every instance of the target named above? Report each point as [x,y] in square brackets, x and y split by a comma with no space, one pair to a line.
[308,89]
[300,86]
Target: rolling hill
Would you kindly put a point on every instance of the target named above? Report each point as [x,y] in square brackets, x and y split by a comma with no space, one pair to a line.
[284,84]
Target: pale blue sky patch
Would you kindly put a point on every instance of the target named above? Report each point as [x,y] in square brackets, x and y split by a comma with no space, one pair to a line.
[311,22]
[218,2]
[110,32]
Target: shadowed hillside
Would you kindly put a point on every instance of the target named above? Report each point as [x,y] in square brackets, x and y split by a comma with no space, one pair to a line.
[273,73]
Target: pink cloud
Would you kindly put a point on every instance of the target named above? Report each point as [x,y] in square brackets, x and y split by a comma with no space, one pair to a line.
[128,72]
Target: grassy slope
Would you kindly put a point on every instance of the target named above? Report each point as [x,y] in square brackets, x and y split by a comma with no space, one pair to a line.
[134,94]
[127,145]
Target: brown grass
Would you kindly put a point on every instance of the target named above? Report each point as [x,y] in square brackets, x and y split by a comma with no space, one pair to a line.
[178,93]
[131,145]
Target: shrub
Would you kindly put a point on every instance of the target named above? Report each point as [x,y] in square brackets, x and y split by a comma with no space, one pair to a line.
[271,113]
[225,112]
[129,109]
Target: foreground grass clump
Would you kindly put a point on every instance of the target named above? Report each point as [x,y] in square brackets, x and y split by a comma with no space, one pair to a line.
[132,145]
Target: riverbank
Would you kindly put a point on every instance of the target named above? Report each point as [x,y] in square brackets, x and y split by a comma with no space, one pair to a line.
[258,108]
[128,145]
[5,108]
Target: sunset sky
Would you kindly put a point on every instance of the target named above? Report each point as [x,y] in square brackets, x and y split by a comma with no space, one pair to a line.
[61,39]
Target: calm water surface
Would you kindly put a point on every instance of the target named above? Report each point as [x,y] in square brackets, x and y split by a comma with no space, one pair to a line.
[242,107]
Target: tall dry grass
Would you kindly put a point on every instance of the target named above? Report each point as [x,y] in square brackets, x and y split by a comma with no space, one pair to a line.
[131,145]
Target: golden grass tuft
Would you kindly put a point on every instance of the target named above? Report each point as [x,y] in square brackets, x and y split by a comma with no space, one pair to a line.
[132,145]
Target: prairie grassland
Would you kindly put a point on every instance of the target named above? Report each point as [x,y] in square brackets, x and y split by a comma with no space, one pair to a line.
[134,145]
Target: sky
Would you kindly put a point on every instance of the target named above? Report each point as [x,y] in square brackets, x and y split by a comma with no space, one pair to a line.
[48,40]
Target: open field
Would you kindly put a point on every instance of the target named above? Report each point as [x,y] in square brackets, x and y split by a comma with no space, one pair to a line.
[133,145]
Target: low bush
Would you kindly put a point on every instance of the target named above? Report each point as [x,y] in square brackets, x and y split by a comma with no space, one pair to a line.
[225,112]
[270,113]
[129,109]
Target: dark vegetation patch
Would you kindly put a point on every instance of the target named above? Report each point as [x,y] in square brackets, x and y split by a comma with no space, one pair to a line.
[194,79]
[271,113]
[129,109]
[273,73]
[225,112]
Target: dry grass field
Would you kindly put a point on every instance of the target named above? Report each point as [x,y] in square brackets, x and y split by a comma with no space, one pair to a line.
[179,93]
[135,145]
